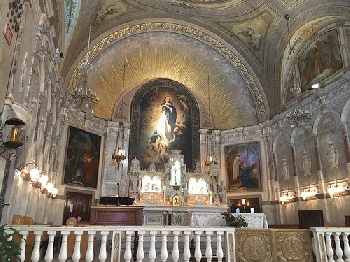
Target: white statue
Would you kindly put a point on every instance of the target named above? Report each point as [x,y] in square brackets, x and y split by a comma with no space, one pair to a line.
[285,170]
[152,167]
[222,192]
[135,165]
[333,156]
[306,164]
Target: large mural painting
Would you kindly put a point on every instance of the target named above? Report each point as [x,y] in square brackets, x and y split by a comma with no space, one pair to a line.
[164,118]
[320,60]
[243,166]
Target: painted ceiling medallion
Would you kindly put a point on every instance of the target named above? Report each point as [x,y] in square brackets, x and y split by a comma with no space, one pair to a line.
[207,3]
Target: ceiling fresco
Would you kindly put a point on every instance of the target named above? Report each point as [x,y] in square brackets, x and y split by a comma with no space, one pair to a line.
[253,37]
[71,11]
[251,31]
[168,55]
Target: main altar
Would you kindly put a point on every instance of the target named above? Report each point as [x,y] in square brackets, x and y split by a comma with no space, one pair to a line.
[173,196]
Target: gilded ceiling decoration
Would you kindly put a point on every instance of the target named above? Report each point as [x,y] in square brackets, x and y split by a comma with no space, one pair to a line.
[171,56]
[162,56]
[222,4]
[291,4]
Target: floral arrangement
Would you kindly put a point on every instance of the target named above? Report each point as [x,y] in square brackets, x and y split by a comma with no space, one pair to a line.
[234,221]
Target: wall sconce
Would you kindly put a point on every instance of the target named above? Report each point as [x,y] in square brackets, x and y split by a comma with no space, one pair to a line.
[118,156]
[16,127]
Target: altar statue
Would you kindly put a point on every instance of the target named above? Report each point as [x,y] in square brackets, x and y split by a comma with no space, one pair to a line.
[167,121]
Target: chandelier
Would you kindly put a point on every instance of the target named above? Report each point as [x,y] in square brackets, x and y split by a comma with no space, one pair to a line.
[336,190]
[118,156]
[309,193]
[298,117]
[82,97]
[287,197]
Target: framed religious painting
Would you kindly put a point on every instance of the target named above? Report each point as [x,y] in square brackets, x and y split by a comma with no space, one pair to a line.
[243,166]
[82,158]
[165,117]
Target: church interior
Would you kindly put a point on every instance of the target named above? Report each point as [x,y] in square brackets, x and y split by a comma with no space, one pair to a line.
[178,109]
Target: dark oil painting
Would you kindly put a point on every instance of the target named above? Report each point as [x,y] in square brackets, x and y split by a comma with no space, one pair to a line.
[82,158]
[165,124]
[243,166]
[320,60]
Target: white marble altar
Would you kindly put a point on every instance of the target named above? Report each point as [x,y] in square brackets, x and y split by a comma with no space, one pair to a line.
[254,220]
[194,216]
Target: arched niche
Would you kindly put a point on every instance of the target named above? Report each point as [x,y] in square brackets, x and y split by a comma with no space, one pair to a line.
[312,55]
[305,155]
[284,162]
[330,141]
[146,141]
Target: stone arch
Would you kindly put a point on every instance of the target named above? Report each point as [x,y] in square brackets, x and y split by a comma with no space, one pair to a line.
[303,142]
[329,133]
[284,161]
[216,43]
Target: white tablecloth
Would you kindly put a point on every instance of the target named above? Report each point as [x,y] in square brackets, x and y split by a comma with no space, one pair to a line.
[254,220]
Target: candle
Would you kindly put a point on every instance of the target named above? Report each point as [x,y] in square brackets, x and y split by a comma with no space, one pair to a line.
[243,201]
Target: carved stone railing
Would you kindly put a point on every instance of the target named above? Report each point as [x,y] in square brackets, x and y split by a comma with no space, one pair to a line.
[331,243]
[120,243]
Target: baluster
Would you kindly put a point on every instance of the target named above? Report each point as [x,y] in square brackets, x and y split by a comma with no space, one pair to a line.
[198,253]
[346,247]
[103,250]
[208,250]
[187,252]
[219,251]
[49,250]
[176,253]
[329,247]
[90,250]
[140,252]
[164,250]
[338,250]
[23,245]
[128,254]
[36,249]
[76,253]
[152,249]
[63,251]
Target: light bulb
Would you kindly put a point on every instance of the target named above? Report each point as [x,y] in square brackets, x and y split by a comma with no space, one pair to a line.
[34,174]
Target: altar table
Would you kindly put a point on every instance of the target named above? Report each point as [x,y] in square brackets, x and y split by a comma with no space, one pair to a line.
[254,220]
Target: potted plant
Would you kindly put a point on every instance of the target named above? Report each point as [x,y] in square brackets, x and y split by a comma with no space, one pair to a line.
[9,250]
[234,221]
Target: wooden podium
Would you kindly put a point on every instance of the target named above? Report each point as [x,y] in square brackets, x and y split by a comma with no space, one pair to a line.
[117,215]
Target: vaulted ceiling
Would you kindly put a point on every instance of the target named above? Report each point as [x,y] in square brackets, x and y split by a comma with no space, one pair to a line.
[233,48]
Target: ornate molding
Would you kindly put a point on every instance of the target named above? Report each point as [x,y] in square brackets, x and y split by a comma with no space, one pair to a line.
[220,46]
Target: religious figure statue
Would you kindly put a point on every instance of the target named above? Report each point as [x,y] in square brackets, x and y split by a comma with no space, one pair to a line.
[135,165]
[285,170]
[306,164]
[222,192]
[333,156]
[167,121]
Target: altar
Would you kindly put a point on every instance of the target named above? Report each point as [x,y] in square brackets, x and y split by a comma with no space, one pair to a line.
[206,216]
[254,220]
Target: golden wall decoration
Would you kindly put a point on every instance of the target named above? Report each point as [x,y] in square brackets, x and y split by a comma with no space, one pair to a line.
[273,245]
[221,47]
